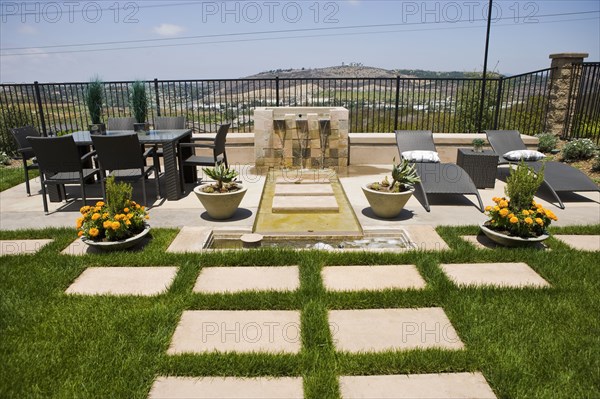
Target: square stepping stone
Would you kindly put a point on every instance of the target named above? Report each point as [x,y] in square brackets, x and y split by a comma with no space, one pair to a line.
[237,279]
[416,386]
[303,203]
[18,247]
[143,281]
[581,242]
[481,241]
[303,189]
[515,275]
[425,238]
[226,387]
[243,331]
[376,330]
[190,239]
[357,278]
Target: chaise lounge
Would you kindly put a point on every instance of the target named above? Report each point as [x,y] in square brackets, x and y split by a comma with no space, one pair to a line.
[558,177]
[436,177]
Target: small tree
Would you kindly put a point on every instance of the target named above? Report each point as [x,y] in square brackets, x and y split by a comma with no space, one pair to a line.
[139,101]
[94,98]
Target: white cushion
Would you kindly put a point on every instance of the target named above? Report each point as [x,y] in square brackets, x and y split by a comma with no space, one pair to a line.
[525,155]
[421,156]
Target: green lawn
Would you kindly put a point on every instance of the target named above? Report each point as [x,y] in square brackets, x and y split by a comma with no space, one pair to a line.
[527,342]
[10,177]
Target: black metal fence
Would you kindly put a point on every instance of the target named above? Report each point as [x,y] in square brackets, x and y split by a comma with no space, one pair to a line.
[583,118]
[375,104]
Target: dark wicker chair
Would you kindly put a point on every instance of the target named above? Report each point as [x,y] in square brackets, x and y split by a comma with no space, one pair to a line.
[61,163]
[121,154]
[125,123]
[20,135]
[217,145]
[436,177]
[558,177]
[167,123]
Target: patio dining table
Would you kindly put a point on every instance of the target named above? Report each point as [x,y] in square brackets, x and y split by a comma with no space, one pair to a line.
[168,140]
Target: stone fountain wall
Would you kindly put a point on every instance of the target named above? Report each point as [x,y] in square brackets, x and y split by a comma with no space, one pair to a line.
[301,137]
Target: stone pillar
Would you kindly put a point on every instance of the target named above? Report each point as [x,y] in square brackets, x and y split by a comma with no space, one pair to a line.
[560,86]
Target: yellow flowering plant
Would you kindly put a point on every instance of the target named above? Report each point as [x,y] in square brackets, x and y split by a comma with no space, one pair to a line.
[518,214]
[117,219]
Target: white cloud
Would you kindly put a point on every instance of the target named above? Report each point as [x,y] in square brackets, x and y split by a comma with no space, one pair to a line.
[27,30]
[168,29]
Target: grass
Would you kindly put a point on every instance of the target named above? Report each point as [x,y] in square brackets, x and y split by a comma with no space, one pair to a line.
[526,342]
[12,176]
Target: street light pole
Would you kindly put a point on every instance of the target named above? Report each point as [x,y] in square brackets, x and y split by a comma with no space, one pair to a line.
[485,60]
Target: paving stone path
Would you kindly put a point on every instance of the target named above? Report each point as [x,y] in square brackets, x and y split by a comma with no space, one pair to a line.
[514,275]
[19,247]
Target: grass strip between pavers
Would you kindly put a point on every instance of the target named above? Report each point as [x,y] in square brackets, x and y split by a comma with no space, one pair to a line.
[526,342]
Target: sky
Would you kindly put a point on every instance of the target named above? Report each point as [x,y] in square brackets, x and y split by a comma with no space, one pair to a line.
[74,41]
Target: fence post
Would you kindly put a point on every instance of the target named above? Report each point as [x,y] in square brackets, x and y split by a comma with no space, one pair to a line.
[40,107]
[156,97]
[561,76]
[498,103]
[277,91]
[397,102]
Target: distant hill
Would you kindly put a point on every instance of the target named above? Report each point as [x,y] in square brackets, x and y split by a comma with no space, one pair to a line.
[358,71]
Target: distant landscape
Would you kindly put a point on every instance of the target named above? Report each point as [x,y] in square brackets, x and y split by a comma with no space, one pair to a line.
[356,70]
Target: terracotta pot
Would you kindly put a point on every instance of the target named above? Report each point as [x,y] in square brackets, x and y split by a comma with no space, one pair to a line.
[118,245]
[385,204]
[220,205]
[510,241]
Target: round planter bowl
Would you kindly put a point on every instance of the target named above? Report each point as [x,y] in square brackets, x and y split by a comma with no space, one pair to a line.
[510,241]
[220,205]
[118,245]
[387,205]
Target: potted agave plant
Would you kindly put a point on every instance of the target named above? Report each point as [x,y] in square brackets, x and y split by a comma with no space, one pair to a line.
[222,198]
[517,220]
[139,106]
[388,199]
[93,98]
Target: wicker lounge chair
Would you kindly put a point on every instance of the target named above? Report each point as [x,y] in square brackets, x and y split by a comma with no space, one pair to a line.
[558,177]
[436,177]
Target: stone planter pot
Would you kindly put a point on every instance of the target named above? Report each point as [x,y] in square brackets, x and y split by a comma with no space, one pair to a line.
[141,127]
[97,128]
[387,205]
[220,205]
[510,241]
[118,245]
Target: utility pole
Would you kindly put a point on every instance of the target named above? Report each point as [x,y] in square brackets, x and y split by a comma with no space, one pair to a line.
[485,60]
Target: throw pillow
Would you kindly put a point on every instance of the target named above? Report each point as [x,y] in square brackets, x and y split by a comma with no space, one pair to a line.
[421,156]
[526,155]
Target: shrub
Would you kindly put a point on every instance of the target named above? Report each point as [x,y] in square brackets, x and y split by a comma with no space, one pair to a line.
[93,98]
[579,149]
[11,117]
[521,185]
[547,142]
[139,101]
[4,159]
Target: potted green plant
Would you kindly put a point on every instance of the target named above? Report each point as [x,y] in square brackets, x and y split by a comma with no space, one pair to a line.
[222,198]
[93,98]
[478,145]
[118,223]
[139,105]
[388,199]
[516,219]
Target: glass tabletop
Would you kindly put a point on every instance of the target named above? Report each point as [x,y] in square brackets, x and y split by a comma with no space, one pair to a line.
[149,136]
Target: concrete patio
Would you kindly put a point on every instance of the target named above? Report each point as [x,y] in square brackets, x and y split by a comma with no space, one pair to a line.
[19,211]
